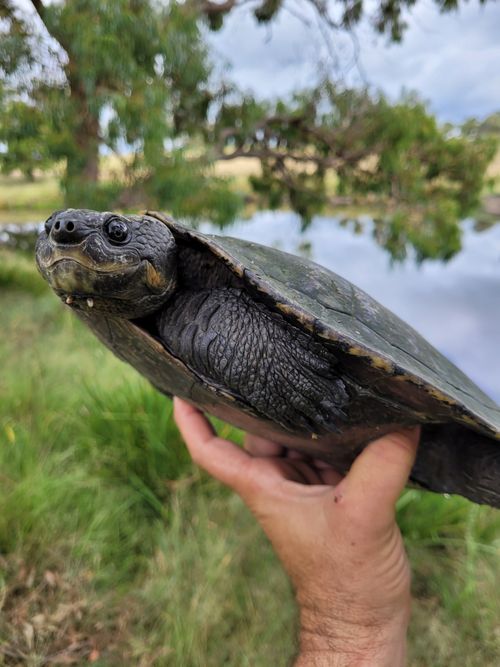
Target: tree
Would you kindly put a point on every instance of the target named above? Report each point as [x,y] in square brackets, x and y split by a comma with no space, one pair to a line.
[394,159]
[22,126]
[134,76]
[124,74]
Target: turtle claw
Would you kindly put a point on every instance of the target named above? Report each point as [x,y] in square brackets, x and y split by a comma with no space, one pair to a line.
[90,303]
[69,300]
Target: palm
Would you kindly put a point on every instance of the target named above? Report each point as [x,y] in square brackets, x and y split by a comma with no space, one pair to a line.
[284,465]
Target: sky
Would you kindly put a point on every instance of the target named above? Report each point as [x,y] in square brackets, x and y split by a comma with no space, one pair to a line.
[451,60]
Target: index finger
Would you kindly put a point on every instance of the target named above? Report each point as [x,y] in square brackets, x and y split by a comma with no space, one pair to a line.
[220,458]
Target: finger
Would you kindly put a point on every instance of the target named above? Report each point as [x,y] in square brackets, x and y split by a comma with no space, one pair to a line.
[329,476]
[257,446]
[295,455]
[300,471]
[220,458]
[322,465]
[379,475]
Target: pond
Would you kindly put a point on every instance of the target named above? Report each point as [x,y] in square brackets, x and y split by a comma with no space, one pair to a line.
[454,305]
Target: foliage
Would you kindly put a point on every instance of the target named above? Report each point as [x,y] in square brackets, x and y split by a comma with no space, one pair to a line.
[490,126]
[21,128]
[393,158]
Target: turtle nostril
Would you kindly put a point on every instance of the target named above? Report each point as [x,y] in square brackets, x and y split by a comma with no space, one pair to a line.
[67,230]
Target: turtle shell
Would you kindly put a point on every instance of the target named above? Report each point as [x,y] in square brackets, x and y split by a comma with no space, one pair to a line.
[460,446]
[338,312]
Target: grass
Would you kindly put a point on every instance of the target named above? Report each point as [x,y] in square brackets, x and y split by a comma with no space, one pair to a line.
[115,551]
[21,200]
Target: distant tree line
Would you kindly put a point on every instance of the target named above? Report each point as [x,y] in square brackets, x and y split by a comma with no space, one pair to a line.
[82,76]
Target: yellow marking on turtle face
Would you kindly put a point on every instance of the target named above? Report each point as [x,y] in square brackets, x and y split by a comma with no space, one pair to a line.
[154,277]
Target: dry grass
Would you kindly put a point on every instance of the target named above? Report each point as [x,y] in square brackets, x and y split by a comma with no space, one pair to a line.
[22,200]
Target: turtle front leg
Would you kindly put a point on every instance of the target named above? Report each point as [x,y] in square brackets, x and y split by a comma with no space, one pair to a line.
[235,343]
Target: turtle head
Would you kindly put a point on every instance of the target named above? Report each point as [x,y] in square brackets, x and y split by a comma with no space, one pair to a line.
[123,265]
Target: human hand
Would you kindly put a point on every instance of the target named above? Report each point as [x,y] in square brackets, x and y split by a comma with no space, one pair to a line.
[336,536]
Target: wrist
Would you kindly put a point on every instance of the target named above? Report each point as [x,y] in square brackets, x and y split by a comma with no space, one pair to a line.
[394,656]
[389,655]
[329,642]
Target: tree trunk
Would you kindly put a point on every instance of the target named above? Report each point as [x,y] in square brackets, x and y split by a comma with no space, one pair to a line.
[82,173]
[82,169]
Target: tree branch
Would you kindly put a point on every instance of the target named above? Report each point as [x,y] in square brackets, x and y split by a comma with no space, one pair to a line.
[266,153]
[39,8]
[208,7]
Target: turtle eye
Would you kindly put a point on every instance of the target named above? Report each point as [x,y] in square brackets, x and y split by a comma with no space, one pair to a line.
[116,230]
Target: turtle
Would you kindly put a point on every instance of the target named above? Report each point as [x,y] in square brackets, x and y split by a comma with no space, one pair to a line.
[272,343]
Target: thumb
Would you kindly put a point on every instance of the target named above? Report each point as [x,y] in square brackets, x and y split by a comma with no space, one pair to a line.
[379,475]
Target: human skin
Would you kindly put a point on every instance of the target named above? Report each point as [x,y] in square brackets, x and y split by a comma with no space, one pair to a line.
[336,537]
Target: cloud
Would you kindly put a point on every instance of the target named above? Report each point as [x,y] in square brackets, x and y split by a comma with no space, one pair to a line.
[451,60]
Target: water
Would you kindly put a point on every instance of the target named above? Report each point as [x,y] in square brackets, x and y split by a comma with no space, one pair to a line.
[20,236]
[456,306]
